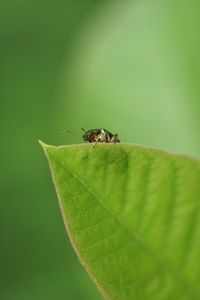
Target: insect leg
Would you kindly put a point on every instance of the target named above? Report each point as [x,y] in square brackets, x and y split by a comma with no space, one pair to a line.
[97,139]
[114,139]
[107,138]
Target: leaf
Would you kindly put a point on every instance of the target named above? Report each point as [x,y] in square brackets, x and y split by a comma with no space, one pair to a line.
[133,216]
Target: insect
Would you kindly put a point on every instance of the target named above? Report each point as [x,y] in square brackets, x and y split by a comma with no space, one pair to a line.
[100,136]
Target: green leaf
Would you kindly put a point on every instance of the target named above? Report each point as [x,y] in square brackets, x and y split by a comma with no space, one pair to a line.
[133,216]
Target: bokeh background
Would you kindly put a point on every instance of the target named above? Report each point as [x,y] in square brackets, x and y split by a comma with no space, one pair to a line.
[132,67]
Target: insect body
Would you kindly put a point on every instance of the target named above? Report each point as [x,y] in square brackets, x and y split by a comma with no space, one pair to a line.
[100,136]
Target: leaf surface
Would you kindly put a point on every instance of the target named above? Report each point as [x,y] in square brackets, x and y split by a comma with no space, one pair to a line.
[132,214]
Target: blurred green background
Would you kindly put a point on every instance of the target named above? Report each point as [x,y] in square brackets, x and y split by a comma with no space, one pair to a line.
[132,67]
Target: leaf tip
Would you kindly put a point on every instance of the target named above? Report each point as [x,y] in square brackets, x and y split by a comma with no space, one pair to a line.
[42,144]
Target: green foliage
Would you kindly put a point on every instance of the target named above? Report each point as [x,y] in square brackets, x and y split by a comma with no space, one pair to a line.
[132,214]
[132,67]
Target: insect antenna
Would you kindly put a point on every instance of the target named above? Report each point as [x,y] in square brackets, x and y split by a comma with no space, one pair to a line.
[66,131]
[62,130]
[83,130]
